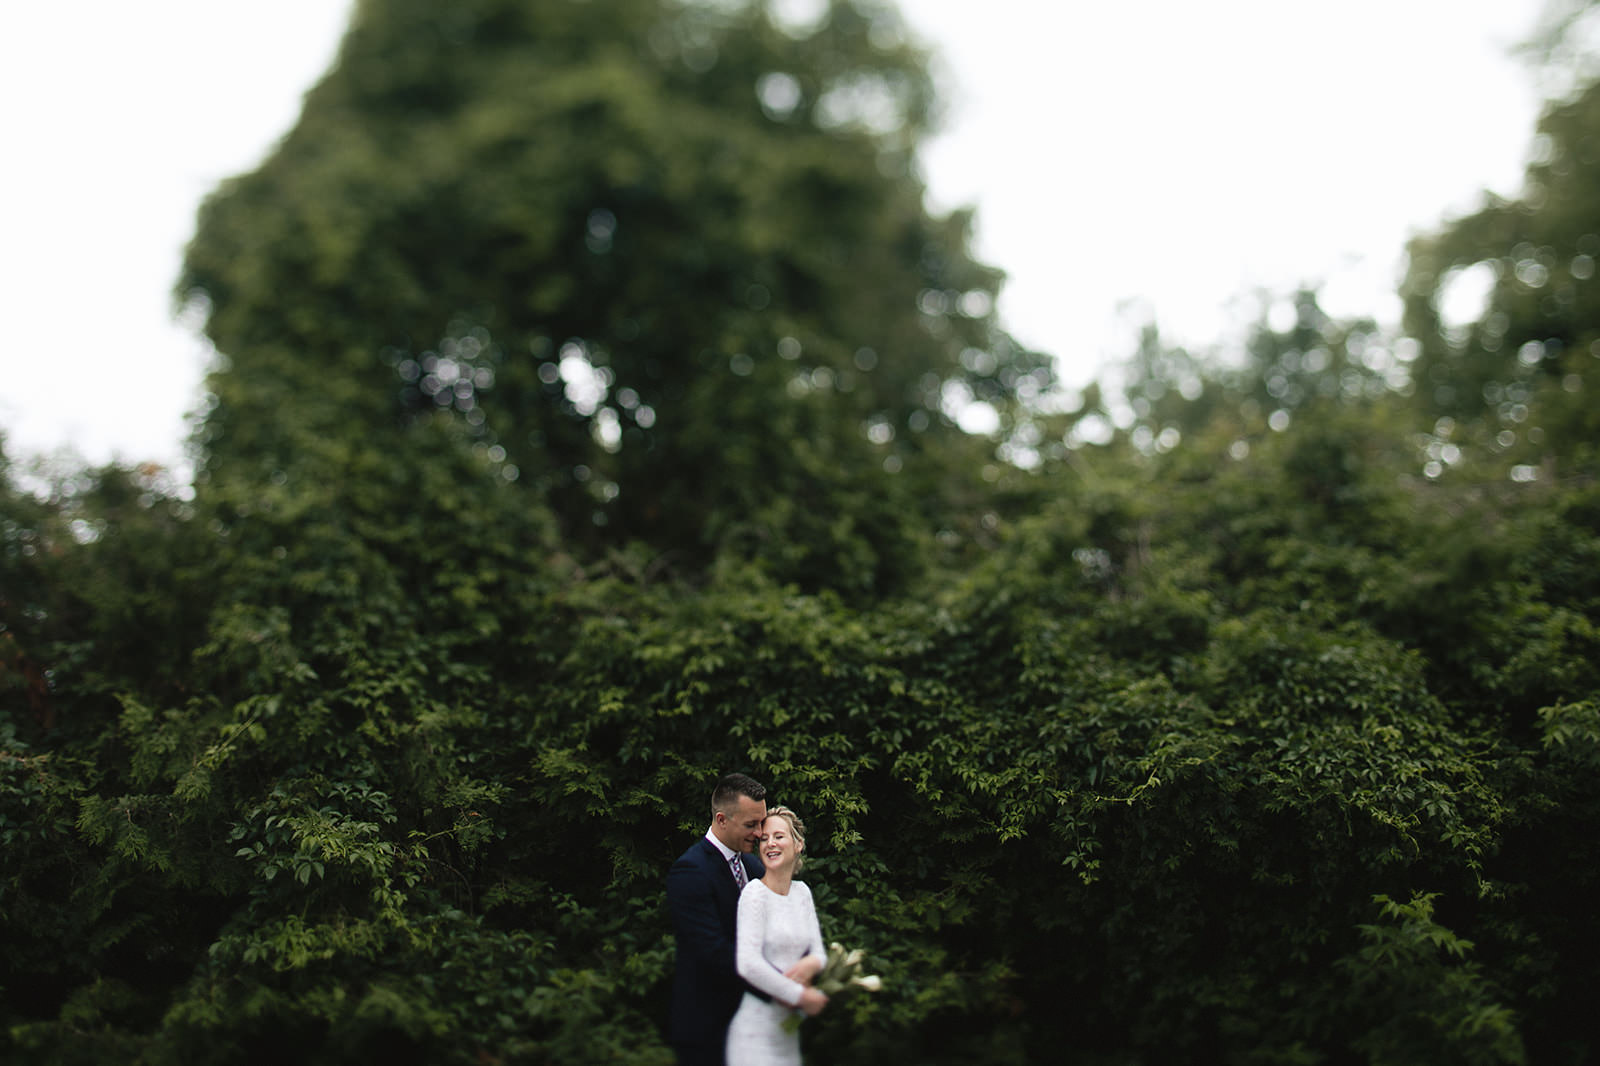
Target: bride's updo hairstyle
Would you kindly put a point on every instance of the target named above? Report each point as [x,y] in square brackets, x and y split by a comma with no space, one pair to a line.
[797,829]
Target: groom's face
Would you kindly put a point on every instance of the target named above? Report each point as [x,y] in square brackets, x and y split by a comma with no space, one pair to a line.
[739,827]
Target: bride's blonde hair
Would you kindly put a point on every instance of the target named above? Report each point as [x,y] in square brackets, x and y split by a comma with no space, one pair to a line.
[797,829]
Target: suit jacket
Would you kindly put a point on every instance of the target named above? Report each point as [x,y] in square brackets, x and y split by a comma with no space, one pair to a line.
[704,900]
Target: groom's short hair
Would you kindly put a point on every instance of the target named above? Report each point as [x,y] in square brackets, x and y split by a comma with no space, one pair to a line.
[732,786]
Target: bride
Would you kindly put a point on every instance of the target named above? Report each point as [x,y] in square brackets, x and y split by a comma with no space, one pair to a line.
[779,950]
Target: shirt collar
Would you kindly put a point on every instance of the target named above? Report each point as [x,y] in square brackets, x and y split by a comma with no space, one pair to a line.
[727,852]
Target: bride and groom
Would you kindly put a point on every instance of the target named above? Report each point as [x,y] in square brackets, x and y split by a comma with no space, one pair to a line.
[748,941]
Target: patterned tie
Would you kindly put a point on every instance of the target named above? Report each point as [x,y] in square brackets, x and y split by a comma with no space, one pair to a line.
[738,871]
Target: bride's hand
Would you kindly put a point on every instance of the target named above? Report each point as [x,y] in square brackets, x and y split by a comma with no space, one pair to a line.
[804,971]
[812,1002]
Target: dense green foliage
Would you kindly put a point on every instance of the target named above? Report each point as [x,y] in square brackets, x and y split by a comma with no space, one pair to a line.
[667,262]
[1265,733]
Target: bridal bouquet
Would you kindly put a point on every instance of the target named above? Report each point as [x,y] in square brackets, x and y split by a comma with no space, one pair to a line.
[840,972]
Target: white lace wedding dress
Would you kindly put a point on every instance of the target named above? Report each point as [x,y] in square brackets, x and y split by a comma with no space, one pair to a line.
[773,933]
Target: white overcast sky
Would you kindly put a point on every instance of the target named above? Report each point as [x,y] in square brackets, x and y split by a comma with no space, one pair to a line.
[1169,153]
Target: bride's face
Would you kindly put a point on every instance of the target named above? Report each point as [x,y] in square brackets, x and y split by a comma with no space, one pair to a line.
[779,848]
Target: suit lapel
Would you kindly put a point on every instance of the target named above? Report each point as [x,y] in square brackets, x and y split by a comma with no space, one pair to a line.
[727,888]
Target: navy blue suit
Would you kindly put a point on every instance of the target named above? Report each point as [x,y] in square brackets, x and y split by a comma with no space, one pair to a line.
[704,900]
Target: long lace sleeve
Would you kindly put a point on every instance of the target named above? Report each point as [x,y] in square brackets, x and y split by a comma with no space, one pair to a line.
[751,934]
[817,948]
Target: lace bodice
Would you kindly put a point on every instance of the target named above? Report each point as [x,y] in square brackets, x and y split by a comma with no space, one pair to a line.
[774,933]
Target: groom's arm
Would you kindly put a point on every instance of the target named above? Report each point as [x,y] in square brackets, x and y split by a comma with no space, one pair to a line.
[693,904]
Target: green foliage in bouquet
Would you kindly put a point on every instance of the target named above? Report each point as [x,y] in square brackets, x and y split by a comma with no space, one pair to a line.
[841,972]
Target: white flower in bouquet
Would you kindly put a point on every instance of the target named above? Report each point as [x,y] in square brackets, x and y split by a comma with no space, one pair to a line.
[842,970]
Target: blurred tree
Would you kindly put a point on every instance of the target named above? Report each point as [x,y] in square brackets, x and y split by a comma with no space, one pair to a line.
[1307,366]
[1560,50]
[1513,372]
[667,262]
[1314,358]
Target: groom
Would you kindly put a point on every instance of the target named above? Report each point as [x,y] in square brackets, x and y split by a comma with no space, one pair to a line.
[703,895]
